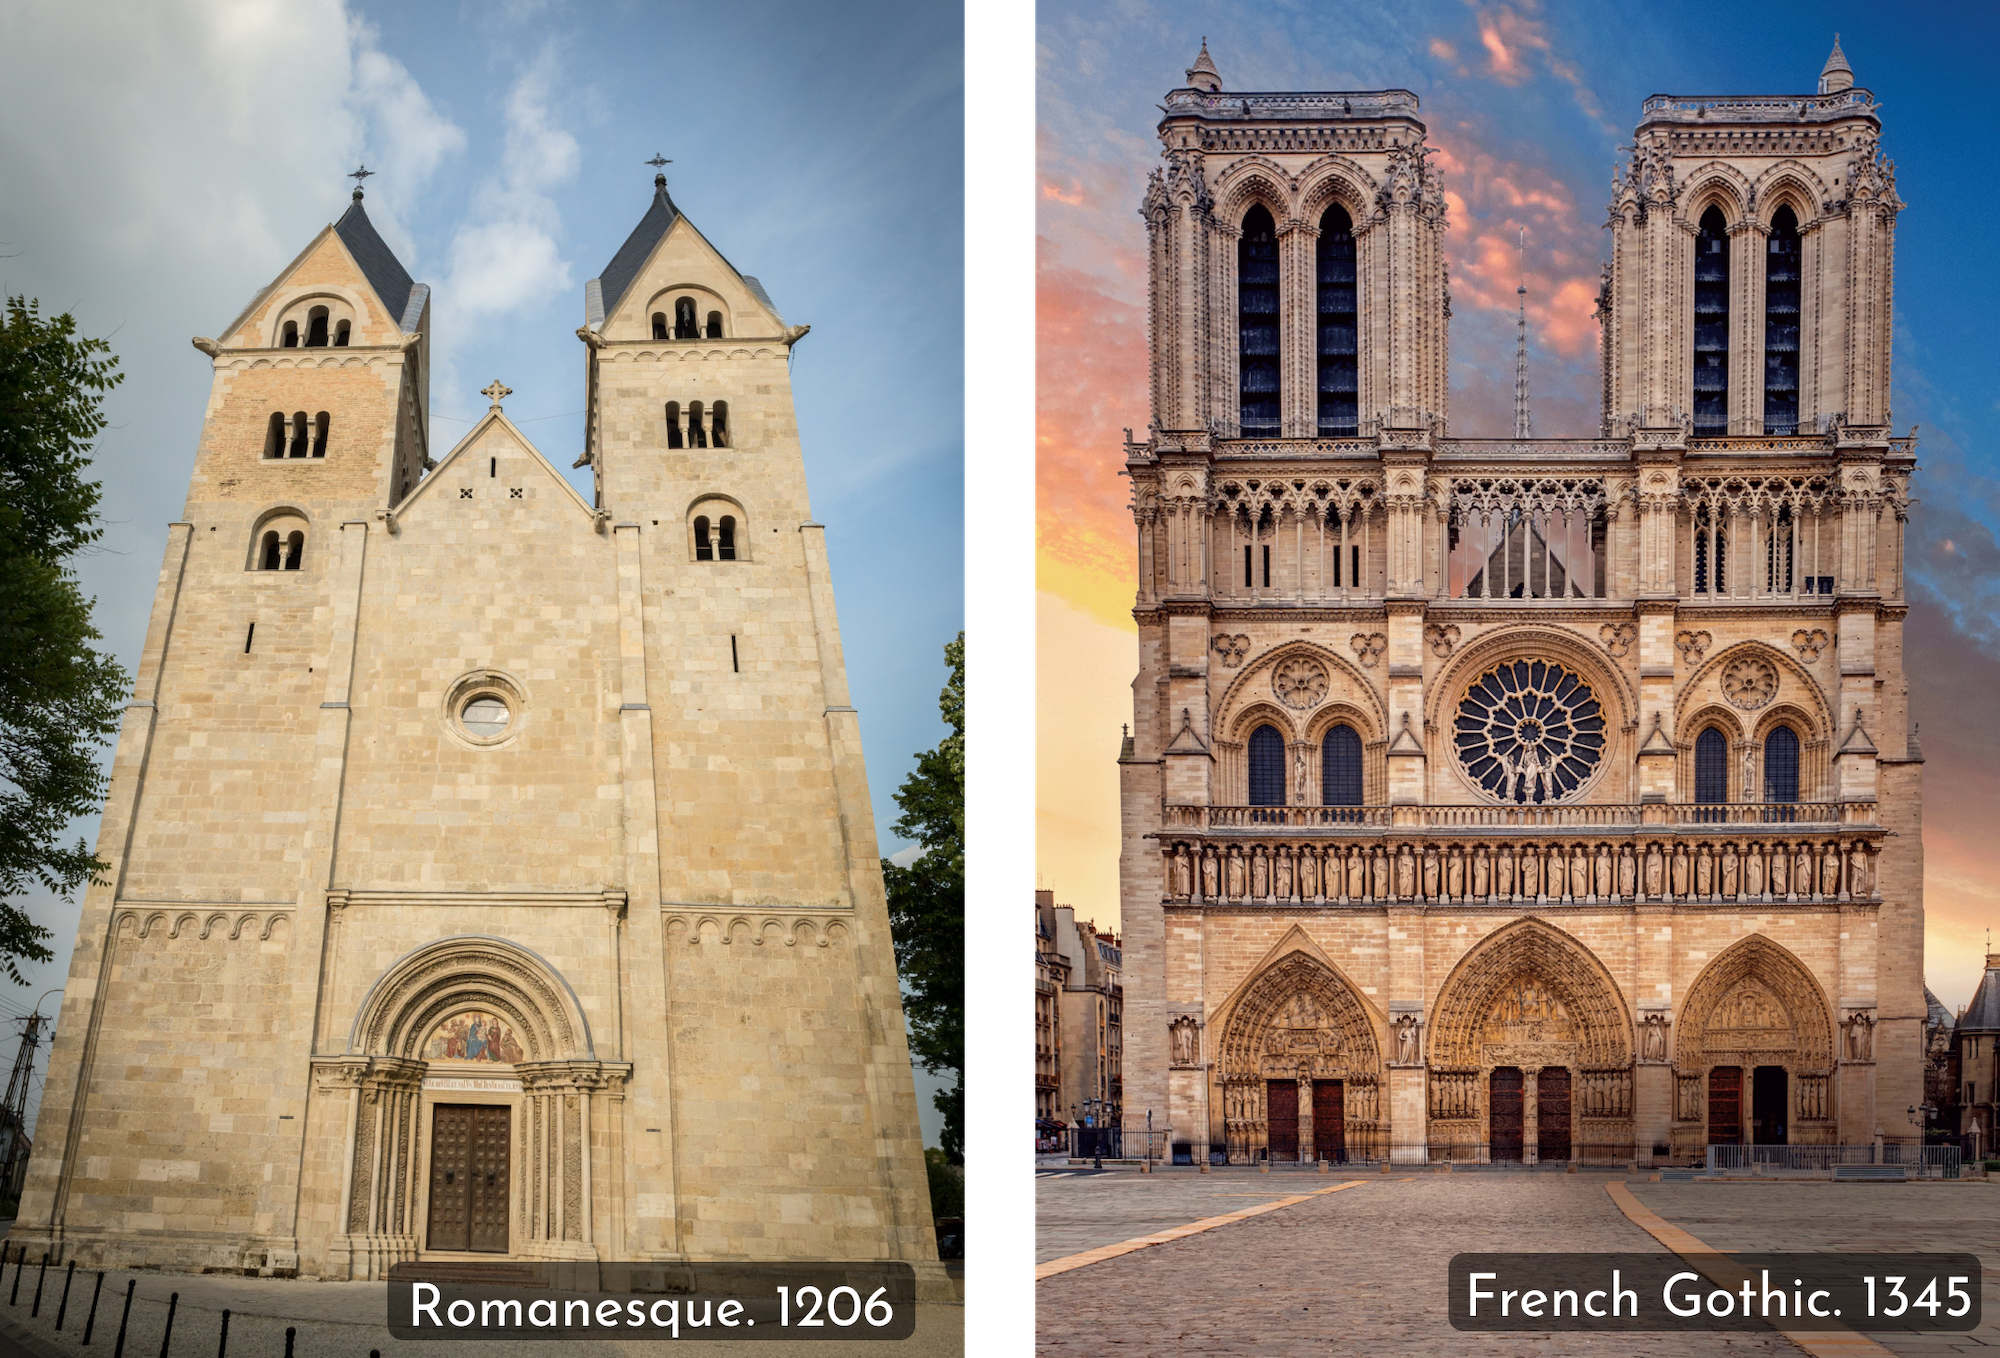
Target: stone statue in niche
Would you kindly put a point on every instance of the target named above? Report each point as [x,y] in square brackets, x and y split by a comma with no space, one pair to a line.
[1653,1038]
[1186,1041]
[1408,1039]
[1860,1026]
[1299,775]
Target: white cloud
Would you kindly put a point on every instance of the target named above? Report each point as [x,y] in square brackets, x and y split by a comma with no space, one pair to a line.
[409,138]
[506,257]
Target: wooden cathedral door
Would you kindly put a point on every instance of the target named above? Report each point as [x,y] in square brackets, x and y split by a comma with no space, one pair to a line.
[1282,1111]
[1725,1106]
[470,1162]
[1504,1113]
[1552,1110]
[1329,1121]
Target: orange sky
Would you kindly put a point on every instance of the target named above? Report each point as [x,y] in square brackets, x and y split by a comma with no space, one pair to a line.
[1094,154]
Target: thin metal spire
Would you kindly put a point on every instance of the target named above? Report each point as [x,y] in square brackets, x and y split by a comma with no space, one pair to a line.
[1521,349]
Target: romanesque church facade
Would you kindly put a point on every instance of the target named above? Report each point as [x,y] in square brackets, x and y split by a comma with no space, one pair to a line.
[492,867]
[1520,798]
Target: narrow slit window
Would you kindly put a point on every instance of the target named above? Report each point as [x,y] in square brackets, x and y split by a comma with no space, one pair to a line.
[1781,325]
[684,322]
[249,637]
[1355,563]
[1267,567]
[492,468]
[1711,326]
[1257,408]
[715,325]
[735,667]
[321,423]
[718,424]
[1248,580]
[1339,327]
[674,424]
[704,547]
[725,546]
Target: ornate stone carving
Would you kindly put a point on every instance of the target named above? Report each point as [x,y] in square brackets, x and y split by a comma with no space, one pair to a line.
[1299,682]
[1653,1033]
[1441,637]
[1232,649]
[1409,1039]
[1810,642]
[1185,1034]
[1749,681]
[1692,646]
[1369,646]
[1530,731]
[1687,1098]
[1858,1034]
[1528,985]
[1753,999]
[1618,637]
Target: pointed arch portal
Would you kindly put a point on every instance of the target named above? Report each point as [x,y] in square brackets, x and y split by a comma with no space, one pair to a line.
[1299,1071]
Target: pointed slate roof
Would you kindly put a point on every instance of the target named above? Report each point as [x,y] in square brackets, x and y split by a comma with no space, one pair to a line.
[1204,65]
[1983,1014]
[379,265]
[1836,75]
[601,295]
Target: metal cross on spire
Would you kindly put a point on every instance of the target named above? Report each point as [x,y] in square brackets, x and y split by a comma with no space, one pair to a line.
[657,162]
[359,175]
[1521,348]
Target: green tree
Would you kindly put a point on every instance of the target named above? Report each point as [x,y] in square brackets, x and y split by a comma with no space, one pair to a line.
[60,698]
[927,906]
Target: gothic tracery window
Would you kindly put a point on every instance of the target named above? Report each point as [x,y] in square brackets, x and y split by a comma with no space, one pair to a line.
[1530,731]
[1711,326]
[1267,767]
[1339,325]
[1257,326]
[1711,767]
[1340,767]
[1781,765]
[1781,325]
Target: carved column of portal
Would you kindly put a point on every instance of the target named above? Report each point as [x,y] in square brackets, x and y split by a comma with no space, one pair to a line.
[564,1100]
[378,1194]
[1531,1115]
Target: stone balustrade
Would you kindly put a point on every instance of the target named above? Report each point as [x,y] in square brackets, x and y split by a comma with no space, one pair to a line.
[1527,855]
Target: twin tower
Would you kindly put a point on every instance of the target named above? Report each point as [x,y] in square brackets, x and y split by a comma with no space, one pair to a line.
[492,870]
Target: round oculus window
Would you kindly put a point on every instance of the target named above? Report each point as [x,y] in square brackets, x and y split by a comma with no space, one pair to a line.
[1530,731]
[485,716]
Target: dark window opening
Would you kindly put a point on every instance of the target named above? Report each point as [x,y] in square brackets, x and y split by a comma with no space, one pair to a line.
[1339,327]
[1340,767]
[268,558]
[321,423]
[1267,568]
[1257,409]
[684,322]
[734,666]
[725,546]
[1781,325]
[316,328]
[295,551]
[1711,769]
[697,435]
[291,339]
[715,325]
[1711,326]
[274,436]
[718,424]
[659,325]
[249,637]
[1781,765]
[341,333]
[492,468]
[704,549]
[1356,578]
[674,424]
[1249,581]
[300,436]
[1267,767]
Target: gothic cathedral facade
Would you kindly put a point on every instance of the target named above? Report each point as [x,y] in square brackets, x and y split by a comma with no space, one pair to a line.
[1520,798]
[492,868]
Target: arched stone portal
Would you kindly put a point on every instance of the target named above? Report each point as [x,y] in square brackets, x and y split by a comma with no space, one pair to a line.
[1296,1040]
[1753,1048]
[1530,998]
[533,1064]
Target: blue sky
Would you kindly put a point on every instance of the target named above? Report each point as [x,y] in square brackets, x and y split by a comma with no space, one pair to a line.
[161,160]
[1529,104]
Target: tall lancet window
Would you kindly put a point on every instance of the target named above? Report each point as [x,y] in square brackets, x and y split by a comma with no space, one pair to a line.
[1339,326]
[1781,325]
[1711,771]
[1267,767]
[1781,765]
[1257,326]
[1711,326]
[1340,767]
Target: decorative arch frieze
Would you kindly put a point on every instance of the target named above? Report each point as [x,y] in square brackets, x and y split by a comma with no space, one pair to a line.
[1529,994]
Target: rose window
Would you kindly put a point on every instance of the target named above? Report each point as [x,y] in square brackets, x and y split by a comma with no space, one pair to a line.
[1530,731]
